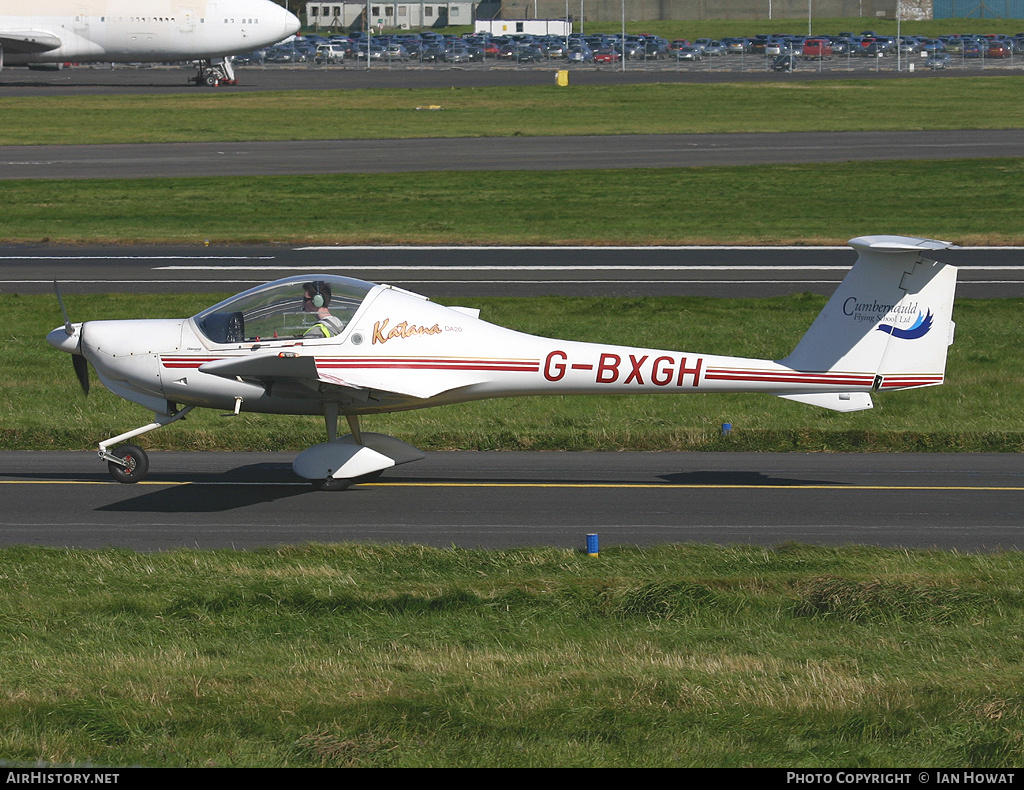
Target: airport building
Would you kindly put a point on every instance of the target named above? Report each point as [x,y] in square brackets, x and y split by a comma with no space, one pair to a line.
[390,15]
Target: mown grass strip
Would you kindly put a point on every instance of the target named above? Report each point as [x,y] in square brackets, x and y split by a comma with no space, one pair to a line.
[982,102]
[405,656]
[966,201]
[977,409]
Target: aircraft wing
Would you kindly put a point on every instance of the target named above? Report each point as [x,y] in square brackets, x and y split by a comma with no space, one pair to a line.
[268,369]
[22,42]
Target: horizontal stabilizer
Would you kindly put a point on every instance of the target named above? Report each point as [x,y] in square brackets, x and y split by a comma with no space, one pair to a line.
[837,401]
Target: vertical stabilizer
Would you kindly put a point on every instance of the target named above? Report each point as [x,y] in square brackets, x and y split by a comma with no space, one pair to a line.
[891,316]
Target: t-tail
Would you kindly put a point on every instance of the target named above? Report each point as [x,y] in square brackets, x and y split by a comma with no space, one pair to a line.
[889,323]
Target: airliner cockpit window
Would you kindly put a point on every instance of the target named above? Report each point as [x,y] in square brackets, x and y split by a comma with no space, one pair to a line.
[308,307]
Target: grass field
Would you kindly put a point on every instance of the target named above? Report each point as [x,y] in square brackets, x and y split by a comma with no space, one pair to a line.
[393,656]
[965,201]
[988,102]
[968,201]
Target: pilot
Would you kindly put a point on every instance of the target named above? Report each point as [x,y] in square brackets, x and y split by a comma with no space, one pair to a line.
[316,298]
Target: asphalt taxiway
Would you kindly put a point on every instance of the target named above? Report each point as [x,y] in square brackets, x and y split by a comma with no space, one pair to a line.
[162,80]
[467,272]
[967,502]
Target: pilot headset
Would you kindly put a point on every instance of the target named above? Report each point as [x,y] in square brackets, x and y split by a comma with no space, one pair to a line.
[318,299]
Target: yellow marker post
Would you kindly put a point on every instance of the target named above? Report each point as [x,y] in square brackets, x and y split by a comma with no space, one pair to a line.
[562,78]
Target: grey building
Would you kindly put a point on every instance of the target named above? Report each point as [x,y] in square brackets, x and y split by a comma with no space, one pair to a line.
[390,15]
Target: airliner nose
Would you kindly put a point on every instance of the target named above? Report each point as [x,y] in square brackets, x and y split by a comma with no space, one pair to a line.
[290,23]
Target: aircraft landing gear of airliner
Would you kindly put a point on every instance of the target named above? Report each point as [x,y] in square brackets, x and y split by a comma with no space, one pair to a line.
[215,72]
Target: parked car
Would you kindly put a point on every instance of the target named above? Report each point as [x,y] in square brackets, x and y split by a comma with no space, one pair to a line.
[251,58]
[655,47]
[784,63]
[816,48]
[737,46]
[283,55]
[998,49]
[909,46]
[633,47]
[939,60]
[840,46]
[528,53]
[432,53]
[607,55]
[457,53]
[330,53]
[395,51]
[374,51]
[972,49]
[554,49]
[580,54]
[690,53]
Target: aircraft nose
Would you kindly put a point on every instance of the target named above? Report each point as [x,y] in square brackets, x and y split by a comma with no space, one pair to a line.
[292,24]
[288,22]
[132,338]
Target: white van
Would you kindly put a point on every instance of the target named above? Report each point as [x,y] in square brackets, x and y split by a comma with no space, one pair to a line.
[330,53]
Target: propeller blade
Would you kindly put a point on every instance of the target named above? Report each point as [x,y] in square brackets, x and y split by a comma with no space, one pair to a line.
[67,321]
[82,371]
[78,361]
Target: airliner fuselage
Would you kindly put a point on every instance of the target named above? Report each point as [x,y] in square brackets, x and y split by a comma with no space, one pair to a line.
[83,31]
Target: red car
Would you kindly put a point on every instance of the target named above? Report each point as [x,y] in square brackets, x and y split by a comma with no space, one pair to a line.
[606,56]
[816,48]
[998,50]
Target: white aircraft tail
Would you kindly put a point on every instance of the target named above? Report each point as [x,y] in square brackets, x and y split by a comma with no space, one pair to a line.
[890,319]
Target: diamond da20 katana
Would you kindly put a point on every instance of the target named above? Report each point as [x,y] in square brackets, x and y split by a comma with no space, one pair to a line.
[334,346]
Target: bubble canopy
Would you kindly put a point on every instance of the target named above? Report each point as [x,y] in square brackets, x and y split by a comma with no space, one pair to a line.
[282,309]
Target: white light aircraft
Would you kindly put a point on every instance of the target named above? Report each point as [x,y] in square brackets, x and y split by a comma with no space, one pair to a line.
[330,345]
[128,31]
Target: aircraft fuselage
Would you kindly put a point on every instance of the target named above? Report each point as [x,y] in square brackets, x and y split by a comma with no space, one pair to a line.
[85,31]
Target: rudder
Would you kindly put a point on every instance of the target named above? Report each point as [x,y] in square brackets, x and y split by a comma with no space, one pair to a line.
[891,316]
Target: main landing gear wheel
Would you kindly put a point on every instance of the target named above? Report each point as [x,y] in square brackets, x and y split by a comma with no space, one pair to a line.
[340,484]
[136,464]
[332,484]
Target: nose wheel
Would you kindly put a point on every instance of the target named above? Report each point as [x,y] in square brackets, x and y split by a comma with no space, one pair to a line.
[128,463]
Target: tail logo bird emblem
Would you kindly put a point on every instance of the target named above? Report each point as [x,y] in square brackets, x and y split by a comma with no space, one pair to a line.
[921,327]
